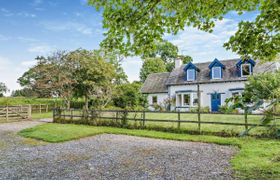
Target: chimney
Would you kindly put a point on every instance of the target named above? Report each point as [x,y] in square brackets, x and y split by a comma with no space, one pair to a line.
[178,63]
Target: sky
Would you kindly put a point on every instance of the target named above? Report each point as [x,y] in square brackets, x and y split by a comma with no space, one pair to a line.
[29,28]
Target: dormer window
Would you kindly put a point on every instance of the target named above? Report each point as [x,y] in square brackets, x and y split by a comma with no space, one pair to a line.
[245,67]
[216,72]
[246,70]
[216,69]
[190,75]
[190,72]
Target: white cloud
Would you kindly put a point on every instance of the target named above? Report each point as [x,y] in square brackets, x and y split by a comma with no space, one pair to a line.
[203,46]
[37,2]
[42,49]
[131,66]
[10,71]
[28,63]
[8,13]
[68,26]
[25,14]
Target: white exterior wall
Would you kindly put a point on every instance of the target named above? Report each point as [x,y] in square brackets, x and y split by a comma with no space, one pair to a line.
[207,90]
[160,98]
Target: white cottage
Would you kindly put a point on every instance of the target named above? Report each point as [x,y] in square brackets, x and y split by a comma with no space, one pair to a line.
[218,80]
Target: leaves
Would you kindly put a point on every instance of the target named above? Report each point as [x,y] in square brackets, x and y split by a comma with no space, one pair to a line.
[151,65]
[135,27]
[3,89]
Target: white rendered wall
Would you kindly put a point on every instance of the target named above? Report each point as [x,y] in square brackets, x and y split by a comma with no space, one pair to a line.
[160,98]
[207,89]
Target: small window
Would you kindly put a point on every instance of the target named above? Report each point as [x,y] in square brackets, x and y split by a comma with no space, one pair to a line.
[179,100]
[154,99]
[216,73]
[195,99]
[187,99]
[234,94]
[245,70]
[190,74]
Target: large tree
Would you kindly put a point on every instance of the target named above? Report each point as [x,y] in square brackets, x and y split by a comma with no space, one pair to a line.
[135,26]
[168,52]
[94,77]
[151,65]
[3,89]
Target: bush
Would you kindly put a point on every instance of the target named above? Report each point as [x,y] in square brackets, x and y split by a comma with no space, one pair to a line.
[205,109]
[227,110]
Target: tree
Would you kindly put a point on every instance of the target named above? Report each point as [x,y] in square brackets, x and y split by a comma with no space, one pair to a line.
[129,96]
[168,52]
[259,39]
[3,89]
[93,76]
[134,27]
[51,76]
[25,92]
[151,65]
[115,58]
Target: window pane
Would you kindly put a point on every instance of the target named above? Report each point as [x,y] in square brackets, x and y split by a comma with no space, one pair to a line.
[179,100]
[191,75]
[216,72]
[187,99]
[154,100]
[195,99]
[246,69]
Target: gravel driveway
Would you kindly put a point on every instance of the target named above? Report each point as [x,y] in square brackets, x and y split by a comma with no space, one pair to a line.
[110,157]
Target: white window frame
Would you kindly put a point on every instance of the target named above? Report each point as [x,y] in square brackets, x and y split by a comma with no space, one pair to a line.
[250,70]
[188,72]
[220,70]
[180,102]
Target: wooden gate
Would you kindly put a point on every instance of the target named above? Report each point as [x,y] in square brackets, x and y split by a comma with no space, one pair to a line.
[14,113]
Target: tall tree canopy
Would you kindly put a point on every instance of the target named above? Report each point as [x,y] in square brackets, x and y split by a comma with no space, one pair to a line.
[151,65]
[3,89]
[168,52]
[135,26]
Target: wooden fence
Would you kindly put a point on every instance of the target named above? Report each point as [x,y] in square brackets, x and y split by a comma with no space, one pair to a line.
[14,113]
[150,118]
[41,108]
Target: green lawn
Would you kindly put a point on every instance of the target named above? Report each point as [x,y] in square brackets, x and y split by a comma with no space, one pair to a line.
[206,128]
[42,115]
[256,159]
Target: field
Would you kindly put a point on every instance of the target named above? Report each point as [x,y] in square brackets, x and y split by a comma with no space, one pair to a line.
[257,158]
[169,121]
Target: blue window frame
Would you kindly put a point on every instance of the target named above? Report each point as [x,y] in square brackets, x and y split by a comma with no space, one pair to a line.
[190,75]
[216,72]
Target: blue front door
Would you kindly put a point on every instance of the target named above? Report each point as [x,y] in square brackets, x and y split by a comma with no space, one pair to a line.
[215,102]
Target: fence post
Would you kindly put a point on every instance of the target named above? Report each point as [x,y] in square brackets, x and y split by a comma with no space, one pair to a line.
[117,116]
[144,118]
[7,113]
[47,108]
[246,120]
[198,108]
[29,111]
[40,110]
[179,119]
[71,111]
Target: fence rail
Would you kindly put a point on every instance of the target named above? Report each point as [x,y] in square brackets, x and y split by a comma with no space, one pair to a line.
[180,119]
[14,113]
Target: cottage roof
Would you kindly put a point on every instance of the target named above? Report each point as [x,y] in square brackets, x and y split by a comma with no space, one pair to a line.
[159,82]
[156,83]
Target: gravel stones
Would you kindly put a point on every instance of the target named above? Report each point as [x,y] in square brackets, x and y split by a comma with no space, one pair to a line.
[111,157]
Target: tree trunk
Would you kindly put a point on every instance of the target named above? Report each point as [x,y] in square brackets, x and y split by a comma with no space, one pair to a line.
[86,103]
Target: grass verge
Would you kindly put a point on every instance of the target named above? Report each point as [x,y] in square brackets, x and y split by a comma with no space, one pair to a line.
[256,159]
[41,115]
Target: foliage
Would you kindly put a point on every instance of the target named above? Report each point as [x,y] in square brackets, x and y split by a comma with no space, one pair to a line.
[205,109]
[135,27]
[151,65]
[93,77]
[263,86]
[25,92]
[128,96]
[168,52]
[227,109]
[3,89]
[24,101]
[259,39]
[256,158]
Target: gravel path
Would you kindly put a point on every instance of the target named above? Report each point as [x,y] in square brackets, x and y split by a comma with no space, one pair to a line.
[110,157]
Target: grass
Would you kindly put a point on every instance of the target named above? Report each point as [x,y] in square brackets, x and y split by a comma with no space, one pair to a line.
[256,159]
[229,130]
[42,115]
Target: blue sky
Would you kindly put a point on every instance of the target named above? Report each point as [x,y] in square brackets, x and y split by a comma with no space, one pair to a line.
[36,27]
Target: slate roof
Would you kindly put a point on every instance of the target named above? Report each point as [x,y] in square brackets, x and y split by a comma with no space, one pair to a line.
[159,82]
[156,83]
